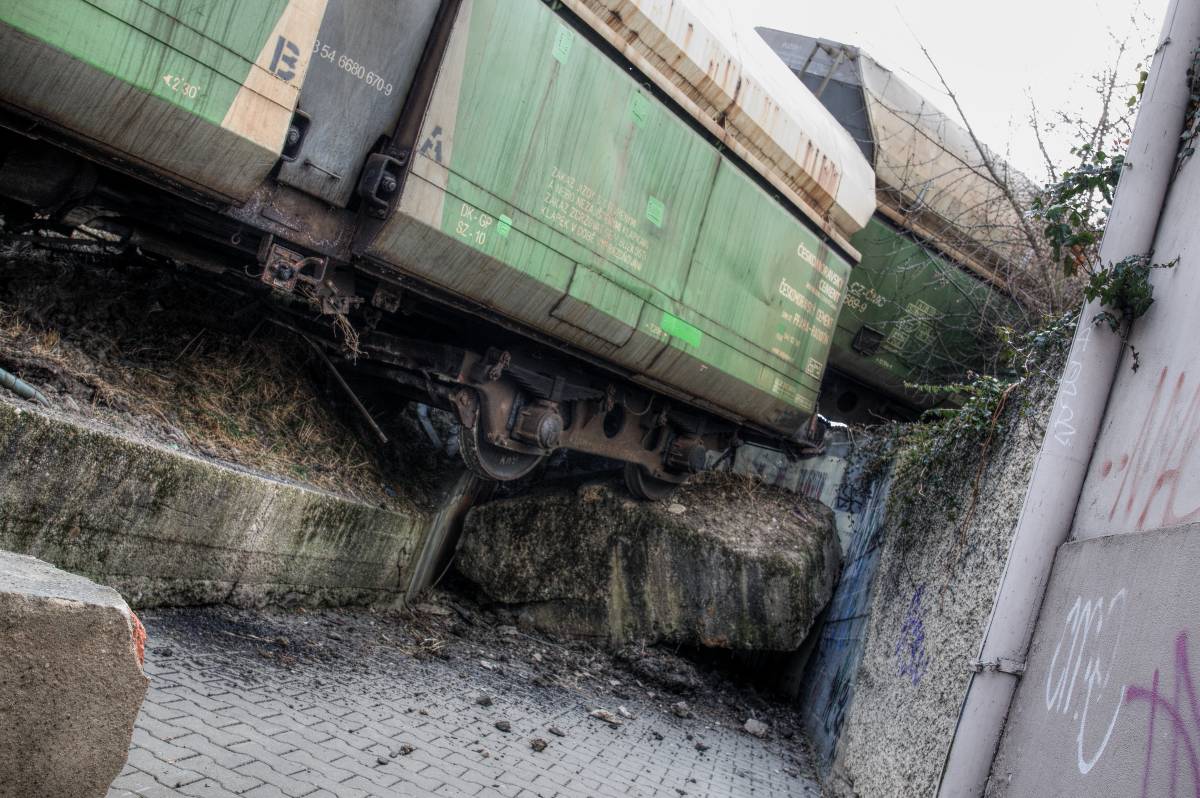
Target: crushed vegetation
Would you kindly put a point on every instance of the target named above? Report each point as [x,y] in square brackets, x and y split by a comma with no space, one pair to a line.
[743,510]
[142,348]
[932,455]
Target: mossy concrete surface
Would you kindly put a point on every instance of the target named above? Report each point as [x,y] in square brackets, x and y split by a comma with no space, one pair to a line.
[169,529]
[941,558]
[724,565]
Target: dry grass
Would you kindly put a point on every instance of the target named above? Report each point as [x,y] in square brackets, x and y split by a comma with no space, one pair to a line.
[130,348]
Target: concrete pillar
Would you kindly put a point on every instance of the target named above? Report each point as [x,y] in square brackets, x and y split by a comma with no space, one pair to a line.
[1062,463]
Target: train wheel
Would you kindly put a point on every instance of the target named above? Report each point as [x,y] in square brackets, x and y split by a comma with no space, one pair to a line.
[644,486]
[492,462]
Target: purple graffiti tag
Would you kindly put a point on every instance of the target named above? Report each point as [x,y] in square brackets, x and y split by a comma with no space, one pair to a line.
[913,661]
[1184,737]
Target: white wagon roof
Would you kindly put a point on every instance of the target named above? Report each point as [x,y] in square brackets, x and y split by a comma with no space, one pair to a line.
[722,73]
[933,177]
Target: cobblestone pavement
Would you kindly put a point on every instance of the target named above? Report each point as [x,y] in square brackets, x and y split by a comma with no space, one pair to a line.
[247,704]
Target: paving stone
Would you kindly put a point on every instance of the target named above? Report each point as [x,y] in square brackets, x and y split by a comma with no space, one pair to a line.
[228,724]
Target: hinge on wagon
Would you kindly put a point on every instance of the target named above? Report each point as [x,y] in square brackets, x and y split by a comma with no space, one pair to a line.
[283,267]
[379,183]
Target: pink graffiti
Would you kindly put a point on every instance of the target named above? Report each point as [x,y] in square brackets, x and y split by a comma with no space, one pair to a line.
[1182,714]
[1160,459]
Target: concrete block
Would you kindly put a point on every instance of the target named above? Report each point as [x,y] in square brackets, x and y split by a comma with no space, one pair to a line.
[725,564]
[71,681]
[169,529]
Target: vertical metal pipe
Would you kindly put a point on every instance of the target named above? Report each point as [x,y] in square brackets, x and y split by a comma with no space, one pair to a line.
[1083,392]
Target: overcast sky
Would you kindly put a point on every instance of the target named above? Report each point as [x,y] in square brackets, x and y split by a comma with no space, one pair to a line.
[994,55]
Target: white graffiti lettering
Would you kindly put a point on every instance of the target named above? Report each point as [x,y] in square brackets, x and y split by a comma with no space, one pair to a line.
[1094,628]
[1062,424]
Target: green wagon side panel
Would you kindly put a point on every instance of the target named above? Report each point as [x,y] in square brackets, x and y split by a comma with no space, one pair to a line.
[929,313]
[547,123]
[210,44]
[563,168]
[200,92]
[768,281]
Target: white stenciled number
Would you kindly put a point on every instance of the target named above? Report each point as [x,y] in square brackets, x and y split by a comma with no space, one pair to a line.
[179,85]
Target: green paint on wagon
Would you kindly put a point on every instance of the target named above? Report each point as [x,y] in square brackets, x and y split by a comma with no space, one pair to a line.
[678,328]
[655,211]
[927,309]
[639,108]
[562,44]
[729,274]
[210,45]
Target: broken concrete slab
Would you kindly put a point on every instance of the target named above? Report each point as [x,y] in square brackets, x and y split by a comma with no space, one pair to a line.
[71,681]
[742,566]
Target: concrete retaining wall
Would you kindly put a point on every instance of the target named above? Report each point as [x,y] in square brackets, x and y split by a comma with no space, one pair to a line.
[169,529]
[1109,703]
[826,691]
[895,715]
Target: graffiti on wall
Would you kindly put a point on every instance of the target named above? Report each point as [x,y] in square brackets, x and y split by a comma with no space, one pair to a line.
[1081,687]
[1079,684]
[1172,757]
[830,680]
[1062,423]
[811,483]
[1151,476]
[911,657]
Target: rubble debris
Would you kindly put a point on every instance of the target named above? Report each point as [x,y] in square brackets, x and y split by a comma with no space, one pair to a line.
[386,635]
[625,713]
[158,355]
[606,716]
[538,744]
[757,728]
[483,700]
[503,725]
[746,568]
[680,709]
[670,673]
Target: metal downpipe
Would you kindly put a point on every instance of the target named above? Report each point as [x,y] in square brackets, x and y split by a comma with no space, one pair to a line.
[22,388]
[1062,463]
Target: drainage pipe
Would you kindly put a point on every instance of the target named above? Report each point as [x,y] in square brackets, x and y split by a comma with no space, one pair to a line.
[1058,473]
[22,388]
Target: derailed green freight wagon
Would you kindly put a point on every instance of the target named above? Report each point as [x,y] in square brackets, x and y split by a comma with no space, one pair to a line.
[608,221]
[924,303]
[911,317]
[478,187]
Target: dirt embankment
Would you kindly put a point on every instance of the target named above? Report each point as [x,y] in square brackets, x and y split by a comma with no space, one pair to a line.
[161,355]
